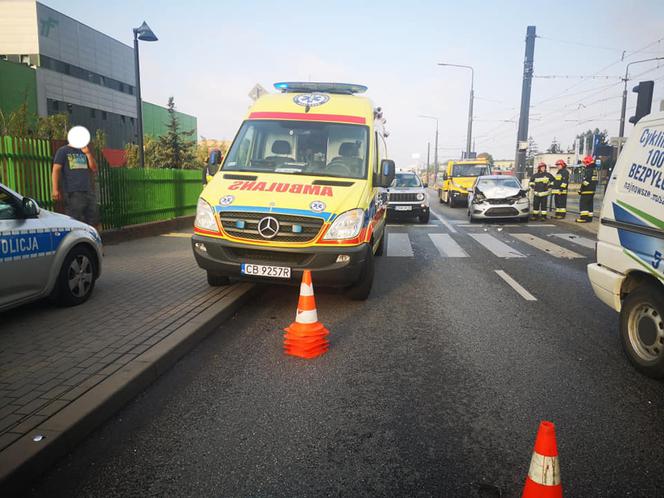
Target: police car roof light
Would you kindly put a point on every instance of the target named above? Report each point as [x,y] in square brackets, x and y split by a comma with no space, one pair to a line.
[311,86]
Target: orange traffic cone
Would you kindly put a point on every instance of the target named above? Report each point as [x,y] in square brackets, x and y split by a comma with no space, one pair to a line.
[306,336]
[543,479]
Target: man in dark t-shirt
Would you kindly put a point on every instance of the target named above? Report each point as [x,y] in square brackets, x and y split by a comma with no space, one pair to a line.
[72,182]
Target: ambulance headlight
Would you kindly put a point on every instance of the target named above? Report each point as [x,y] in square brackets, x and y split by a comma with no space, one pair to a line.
[205,217]
[346,226]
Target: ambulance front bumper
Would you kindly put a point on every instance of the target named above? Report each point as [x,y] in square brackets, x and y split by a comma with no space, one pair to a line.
[330,266]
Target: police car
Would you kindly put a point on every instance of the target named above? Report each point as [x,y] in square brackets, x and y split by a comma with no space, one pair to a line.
[44,254]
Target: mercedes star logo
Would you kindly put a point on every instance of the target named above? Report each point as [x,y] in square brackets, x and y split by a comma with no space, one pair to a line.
[268,227]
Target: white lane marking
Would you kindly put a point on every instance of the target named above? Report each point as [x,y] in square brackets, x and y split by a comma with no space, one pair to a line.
[177,234]
[516,286]
[447,224]
[477,225]
[447,246]
[413,226]
[497,247]
[582,241]
[548,247]
[398,244]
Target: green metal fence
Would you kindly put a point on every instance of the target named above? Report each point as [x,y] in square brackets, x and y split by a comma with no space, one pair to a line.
[25,166]
[126,196]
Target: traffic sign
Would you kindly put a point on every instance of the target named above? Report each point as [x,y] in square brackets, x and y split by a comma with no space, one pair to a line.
[257,92]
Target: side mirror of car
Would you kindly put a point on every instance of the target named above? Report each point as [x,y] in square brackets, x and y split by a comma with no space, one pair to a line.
[30,208]
[387,173]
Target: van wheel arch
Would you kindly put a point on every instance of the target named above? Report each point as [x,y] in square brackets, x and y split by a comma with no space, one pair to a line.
[636,280]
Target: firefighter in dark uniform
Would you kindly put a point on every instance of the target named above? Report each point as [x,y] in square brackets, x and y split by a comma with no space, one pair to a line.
[587,191]
[540,183]
[559,190]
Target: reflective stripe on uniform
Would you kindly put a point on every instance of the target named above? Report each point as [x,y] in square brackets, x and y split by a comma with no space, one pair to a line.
[561,210]
[587,192]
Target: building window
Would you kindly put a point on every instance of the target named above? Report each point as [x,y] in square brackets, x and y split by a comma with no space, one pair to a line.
[93,113]
[70,108]
[55,105]
[104,115]
[25,59]
[3,57]
[122,118]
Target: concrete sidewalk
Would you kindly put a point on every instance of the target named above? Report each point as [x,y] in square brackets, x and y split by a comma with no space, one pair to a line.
[64,370]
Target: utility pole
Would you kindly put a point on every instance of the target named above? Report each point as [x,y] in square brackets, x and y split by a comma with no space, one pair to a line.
[428,162]
[522,135]
[623,108]
[435,155]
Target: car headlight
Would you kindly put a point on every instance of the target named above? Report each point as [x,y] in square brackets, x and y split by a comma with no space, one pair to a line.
[205,217]
[522,200]
[420,196]
[478,198]
[346,226]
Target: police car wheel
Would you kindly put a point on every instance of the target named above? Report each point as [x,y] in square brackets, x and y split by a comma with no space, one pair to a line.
[215,280]
[77,277]
[642,330]
[361,290]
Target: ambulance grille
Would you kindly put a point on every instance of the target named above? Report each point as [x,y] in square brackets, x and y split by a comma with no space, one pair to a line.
[402,197]
[245,226]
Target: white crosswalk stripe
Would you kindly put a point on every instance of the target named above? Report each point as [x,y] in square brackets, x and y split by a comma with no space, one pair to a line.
[548,247]
[576,239]
[398,245]
[496,246]
[447,246]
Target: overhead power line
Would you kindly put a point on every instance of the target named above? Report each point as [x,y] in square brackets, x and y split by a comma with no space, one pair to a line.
[574,76]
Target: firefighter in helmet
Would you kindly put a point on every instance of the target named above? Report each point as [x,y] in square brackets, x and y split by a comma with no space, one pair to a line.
[559,190]
[587,191]
[540,183]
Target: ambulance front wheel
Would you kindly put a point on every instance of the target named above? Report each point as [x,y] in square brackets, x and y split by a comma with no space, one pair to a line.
[642,330]
[215,280]
[361,290]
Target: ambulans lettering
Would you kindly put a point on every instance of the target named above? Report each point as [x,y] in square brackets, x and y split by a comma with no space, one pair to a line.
[293,188]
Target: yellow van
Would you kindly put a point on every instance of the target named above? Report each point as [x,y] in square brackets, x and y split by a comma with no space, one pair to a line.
[301,187]
[458,179]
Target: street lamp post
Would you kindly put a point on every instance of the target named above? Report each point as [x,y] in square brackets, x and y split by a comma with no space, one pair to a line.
[435,147]
[469,136]
[143,33]
[621,131]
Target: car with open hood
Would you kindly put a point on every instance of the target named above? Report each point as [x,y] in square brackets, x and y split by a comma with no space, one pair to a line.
[301,187]
[497,196]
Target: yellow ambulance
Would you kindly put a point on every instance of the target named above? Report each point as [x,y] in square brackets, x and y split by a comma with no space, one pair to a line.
[458,179]
[301,187]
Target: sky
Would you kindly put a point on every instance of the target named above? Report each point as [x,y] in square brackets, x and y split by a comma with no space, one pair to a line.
[210,54]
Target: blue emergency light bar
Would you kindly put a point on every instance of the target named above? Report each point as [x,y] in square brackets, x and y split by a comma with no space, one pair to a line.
[310,86]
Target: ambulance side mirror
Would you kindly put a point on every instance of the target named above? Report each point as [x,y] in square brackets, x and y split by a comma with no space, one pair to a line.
[387,173]
[30,208]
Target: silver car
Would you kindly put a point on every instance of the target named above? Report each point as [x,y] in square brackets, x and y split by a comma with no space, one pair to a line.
[44,254]
[407,197]
[497,196]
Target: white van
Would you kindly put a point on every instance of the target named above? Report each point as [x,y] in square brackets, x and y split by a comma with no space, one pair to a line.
[629,272]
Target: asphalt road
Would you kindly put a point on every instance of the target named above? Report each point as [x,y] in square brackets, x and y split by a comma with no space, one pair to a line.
[434,386]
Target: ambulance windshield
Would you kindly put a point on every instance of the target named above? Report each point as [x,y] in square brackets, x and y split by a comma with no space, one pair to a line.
[300,148]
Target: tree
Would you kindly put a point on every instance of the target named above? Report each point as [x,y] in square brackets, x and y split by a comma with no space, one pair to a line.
[555,147]
[487,156]
[53,127]
[176,148]
[18,123]
[151,151]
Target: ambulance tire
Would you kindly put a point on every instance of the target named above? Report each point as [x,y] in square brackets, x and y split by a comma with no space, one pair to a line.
[382,246]
[79,257]
[361,290]
[641,317]
[215,280]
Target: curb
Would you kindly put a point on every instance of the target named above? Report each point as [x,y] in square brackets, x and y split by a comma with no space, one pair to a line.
[25,459]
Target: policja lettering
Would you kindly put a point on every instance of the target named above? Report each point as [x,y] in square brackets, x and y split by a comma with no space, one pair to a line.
[19,245]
